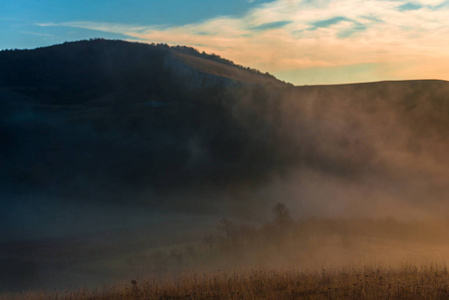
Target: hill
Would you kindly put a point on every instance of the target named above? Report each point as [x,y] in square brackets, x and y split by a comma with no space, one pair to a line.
[170,128]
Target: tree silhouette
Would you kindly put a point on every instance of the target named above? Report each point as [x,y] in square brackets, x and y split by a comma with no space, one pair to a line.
[281,215]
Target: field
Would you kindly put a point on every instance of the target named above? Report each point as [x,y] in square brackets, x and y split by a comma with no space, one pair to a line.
[282,259]
[406,282]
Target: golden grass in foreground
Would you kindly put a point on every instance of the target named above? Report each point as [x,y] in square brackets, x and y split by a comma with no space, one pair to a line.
[408,282]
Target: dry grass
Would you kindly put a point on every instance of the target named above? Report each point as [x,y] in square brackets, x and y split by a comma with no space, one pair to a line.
[407,282]
[281,260]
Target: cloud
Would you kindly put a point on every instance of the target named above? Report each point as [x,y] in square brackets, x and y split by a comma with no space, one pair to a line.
[38,33]
[271,25]
[286,35]
[433,2]
[328,22]
[409,6]
[351,26]
[106,27]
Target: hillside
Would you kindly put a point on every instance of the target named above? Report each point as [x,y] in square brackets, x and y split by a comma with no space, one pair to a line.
[174,129]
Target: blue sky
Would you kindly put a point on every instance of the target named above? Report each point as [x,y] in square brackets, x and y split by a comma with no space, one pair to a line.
[300,41]
[18,18]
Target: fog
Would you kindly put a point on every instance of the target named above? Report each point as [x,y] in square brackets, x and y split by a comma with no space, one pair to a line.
[111,187]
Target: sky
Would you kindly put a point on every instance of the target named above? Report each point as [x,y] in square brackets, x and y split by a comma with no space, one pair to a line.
[299,41]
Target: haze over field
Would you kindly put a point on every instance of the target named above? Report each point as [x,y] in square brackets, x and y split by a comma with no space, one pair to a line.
[133,153]
[159,149]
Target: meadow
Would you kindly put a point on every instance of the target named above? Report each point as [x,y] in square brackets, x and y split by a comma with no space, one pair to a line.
[283,259]
[406,282]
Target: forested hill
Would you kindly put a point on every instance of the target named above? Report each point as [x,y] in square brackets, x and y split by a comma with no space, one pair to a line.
[64,73]
[114,121]
[93,116]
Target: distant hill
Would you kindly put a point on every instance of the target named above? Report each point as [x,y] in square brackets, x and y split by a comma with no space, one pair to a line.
[112,120]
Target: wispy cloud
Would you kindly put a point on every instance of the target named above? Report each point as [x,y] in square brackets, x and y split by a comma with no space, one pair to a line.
[106,27]
[38,33]
[328,22]
[287,35]
[409,6]
[270,25]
